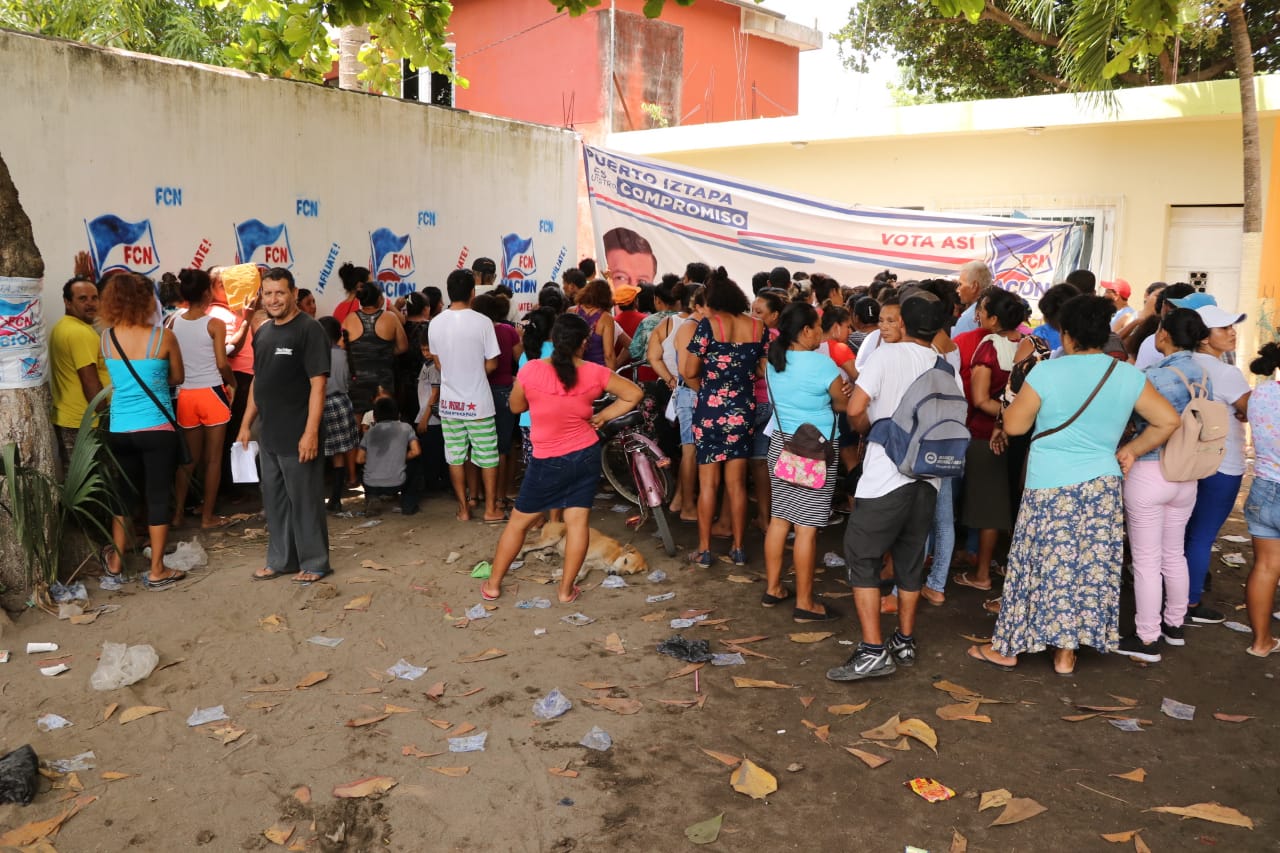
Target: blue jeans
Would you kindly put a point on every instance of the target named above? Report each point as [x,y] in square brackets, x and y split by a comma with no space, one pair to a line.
[942,542]
[1215,496]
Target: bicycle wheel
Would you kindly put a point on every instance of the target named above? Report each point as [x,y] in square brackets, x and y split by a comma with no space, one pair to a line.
[664,531]
[617,470]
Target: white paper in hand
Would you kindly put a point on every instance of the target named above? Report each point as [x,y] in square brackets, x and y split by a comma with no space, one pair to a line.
[244,468]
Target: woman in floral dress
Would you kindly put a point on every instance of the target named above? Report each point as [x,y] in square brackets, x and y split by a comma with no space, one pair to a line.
[1062,587]
[726,349]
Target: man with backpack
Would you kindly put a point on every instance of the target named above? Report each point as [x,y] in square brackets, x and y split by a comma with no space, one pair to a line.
[894,503]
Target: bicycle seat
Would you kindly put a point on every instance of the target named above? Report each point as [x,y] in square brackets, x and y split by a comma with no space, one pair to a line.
[617,425]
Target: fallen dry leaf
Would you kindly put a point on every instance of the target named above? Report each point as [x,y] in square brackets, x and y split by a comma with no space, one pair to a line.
[901,745]
[870,759]
[722,757]
[455,772]
[974,638]
[376,566]
[806,701]
[440,724]
[959,844]
[625,707]
[822,733]
[658,616]
[111,709]
[1018,810]
[994,799]
[229,734]
[613,643]
[739,681]
[74,783]
[473,691]
[137,712]
[888,730]
[487,654]
[845,710]
[1120,837]
[260,705]
[85,618]
[810,636]
[743,650]
[1140,846]
[360,603]
[753,780]
[563,772]
[1231,718]
[609,685]
[311,679]
[303,795]
[435,691]
[1136,775]
[1124,699]
[279,835]
[113,776]
[364,787]
[958,711]
[274,624]
[1076,718]
[461,730]
[1105,708]
[397,709]
[412,751]
[740,579]
[366,721]
[30,833]
[679,673]
[682,703]
[1214,812]
[742,641]
[951,687]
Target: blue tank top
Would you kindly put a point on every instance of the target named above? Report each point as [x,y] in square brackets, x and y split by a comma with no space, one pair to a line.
[131,408]
[547,349]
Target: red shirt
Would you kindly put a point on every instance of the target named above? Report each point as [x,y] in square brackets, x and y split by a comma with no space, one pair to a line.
[560,420]
[968,342]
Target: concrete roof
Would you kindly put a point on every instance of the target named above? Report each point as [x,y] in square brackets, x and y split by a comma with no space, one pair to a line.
[1042,113]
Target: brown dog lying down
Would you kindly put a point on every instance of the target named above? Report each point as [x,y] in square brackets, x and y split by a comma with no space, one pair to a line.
[602,551]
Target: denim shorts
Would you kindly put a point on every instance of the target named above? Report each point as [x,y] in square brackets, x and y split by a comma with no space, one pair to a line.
[686,399]
[1262,509]
[560,482]
[760,441]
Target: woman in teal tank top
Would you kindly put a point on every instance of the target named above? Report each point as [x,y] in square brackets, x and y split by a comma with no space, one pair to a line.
[141,433]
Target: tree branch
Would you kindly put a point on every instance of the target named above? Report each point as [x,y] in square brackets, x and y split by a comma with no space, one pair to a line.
[992,12]
[1051,79]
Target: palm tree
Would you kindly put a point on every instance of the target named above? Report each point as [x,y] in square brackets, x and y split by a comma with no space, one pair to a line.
[1103,40]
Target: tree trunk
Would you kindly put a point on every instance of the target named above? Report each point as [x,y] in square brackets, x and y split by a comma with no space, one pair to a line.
[350,40]
[1251,246]
[24,413]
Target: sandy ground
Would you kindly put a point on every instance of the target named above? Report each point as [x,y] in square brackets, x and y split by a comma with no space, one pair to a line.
[187,790]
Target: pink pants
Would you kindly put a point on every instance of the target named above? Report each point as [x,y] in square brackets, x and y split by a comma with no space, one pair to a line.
[1157,512]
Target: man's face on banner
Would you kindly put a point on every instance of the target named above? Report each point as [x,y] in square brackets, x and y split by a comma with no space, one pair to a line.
[626,268]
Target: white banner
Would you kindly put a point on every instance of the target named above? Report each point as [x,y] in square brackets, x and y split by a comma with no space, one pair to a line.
[22,340]
[684,215]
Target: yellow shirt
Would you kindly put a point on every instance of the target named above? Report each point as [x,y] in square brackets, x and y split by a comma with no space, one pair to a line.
[73,344]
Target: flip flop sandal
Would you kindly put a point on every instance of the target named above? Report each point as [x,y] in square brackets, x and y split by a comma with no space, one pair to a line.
[1275,646]
[980,655]
[963,579]
[104,561]
[577,591]
[163,583]
[992,606]
[319,576]
[270,575]
[486,596]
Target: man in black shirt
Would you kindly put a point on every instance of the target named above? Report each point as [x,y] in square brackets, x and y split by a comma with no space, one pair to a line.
[291,364]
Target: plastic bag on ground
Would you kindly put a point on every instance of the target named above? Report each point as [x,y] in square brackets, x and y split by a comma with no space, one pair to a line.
[187,556]
[120,665]
[67,593]
[551,706]
[597,739]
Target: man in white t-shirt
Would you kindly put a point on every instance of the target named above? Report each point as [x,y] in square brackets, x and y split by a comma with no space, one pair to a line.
[893,514]
[466,349]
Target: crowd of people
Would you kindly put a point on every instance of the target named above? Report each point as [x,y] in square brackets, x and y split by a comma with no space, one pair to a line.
[1107,439]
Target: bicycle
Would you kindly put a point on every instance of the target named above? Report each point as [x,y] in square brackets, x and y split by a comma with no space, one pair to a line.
[637,469]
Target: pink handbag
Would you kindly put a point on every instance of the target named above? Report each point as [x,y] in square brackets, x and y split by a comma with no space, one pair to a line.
[805,456]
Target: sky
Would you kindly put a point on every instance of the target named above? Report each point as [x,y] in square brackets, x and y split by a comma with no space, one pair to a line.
[826,86]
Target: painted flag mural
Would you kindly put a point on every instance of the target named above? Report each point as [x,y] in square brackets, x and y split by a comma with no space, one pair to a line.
[684,214]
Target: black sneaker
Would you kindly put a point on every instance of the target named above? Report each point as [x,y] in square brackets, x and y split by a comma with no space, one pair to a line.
[1173,635]
[864,663]
[1134,648]
[903,651]
[1204,615]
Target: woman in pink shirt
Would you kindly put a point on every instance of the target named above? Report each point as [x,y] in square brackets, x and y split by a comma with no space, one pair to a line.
[564,470]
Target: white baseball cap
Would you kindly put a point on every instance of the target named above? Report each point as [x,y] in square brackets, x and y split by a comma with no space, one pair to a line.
[1216,318]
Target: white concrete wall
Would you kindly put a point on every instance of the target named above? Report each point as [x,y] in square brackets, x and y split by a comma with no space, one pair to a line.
[194,151]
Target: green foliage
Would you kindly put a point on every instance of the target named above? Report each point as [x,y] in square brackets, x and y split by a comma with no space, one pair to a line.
[966,49]
[44,510]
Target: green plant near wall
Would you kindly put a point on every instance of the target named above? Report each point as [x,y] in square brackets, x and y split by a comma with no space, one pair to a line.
[44,510]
